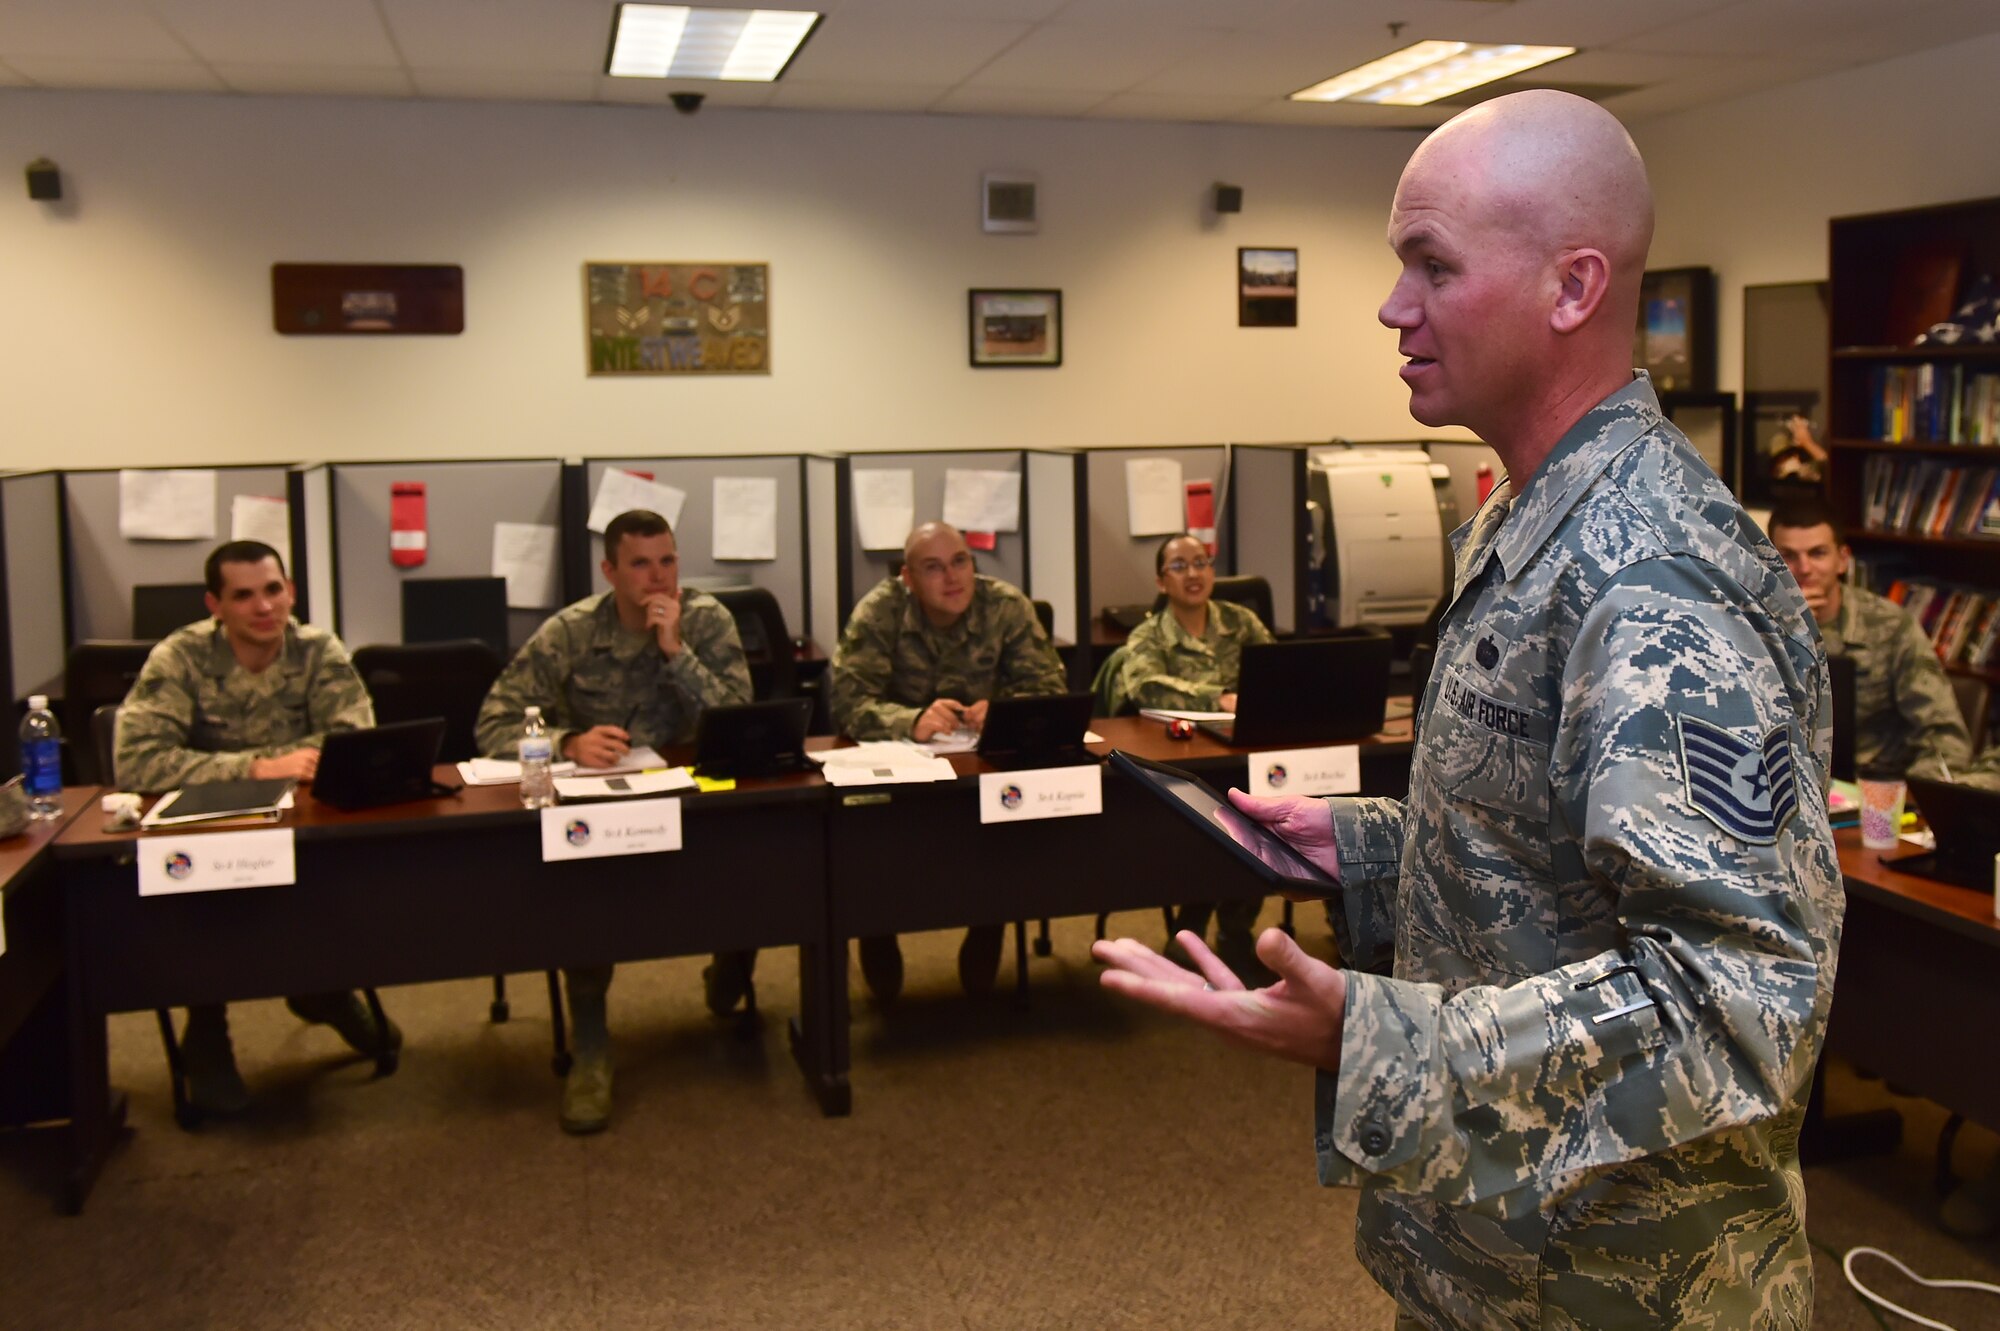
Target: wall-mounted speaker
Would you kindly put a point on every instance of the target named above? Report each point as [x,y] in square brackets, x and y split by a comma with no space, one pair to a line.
[1008,204]
[44,181]
[1229,198]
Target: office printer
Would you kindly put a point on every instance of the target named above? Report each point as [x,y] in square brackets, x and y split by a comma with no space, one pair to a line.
[1378,520]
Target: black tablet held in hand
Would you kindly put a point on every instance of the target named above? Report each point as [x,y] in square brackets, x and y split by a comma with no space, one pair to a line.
[1254,847]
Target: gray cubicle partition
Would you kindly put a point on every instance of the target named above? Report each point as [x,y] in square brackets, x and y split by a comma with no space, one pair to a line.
[784,577]
[1268,498]
[103,566]
[823,547]
[32,610]
[1058,539]
[462,502]
[1121,564]
[862,568]
[311,491]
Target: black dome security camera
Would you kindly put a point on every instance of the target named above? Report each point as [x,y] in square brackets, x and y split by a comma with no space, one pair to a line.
[687,103]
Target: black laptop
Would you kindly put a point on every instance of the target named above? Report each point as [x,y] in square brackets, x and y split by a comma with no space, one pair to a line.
[1037,732]
[1966,823]
[360,769]
[1309,691]
[753,738]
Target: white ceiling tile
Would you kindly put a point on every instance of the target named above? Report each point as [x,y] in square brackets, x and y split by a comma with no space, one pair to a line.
[1016,102]
[126,75]
[1621,67]
[1348,115]
[1719,82]
[558,36]
[501,85]
[655,92]
[87,30]
[1074,58]
[1769,27]
[633,92]
[998,11]
[1246,64]
[1580,23]
[280,32]
[11,79]
[809,95]
[315,80]
[1171,106]
[1267,16]
[877,50]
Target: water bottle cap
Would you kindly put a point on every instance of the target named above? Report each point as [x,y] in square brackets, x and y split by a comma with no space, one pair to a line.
[534,712]
[38,702]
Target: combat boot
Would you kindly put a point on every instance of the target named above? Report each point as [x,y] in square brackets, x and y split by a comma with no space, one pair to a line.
[979,958]
[208,1062]
[882,967]
[726,982]
[352,1019]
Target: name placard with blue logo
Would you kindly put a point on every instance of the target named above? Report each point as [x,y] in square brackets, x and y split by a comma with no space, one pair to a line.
[1044,792]
[215,861]
[1333,769]
[622,827]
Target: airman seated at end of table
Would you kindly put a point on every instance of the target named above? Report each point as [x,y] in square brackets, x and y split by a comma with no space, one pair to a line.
[631,666]
[250,692]
[923,654]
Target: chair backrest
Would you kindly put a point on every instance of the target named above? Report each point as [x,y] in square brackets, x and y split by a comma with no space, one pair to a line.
[1975,703]
[412,680]
[158,608]
[453,609]
[774,665]
[1248,589]
[1046,613]
[1106,689]
[104,741]
[97,671]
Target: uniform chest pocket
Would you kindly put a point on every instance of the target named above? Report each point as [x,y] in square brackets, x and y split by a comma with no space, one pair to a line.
[1485,751]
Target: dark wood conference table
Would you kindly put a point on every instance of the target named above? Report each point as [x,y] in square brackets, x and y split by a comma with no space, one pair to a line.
[439,889]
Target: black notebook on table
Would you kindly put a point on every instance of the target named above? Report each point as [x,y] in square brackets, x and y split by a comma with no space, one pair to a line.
[208,801]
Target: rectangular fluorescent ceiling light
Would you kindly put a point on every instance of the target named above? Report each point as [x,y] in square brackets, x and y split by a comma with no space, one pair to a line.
[681,42]
[1420,74]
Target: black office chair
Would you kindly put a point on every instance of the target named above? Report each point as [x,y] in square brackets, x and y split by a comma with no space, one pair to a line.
[449,609]
[413,680]
[1046,614]
[1975,704]
[774,664]
[1251,591]
[97,672]
[104,745]
[159,608]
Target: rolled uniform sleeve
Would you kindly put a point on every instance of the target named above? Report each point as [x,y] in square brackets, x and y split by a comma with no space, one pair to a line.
[1709,1015]
[534,678]
[710,670]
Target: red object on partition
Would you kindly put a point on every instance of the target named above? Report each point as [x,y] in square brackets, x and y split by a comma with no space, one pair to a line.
[1485,482]
[409,536]
[1201,513]
[981,540]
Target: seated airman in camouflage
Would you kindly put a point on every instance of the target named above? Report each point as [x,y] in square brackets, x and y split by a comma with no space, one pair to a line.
[633,666]
[1187,656]
[922,655]
[248,693]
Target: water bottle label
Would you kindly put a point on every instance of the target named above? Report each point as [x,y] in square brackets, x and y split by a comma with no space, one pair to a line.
[41,767]
[535,750]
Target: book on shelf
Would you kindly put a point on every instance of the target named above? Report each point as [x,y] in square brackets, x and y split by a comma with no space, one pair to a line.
[1962,623]
[1930,497]
[1933,403]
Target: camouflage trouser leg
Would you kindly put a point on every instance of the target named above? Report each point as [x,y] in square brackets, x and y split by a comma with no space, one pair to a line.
[587,986]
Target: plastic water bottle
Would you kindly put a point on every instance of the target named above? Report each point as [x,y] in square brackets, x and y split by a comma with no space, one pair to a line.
[538,784]
[41,759]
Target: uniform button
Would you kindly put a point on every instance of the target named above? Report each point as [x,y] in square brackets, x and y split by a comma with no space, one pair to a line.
[1374,1139]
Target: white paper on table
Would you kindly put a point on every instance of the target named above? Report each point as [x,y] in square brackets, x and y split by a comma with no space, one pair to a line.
[501,771]
[885,506]
[262,518]
[621,492]
[869,753]
[166,505]
[746,517]
[524,553]
[951,741]
[982,500]
[1155,499]
[1169,714]
[637,783]
[898,772]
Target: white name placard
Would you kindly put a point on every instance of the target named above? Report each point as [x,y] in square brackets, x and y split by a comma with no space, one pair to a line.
[623,827]
[1045,792]
[215,861]
[1332,770]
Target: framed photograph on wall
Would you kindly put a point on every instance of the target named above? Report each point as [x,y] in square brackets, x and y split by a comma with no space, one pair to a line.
[1015,328]
[677,318]
[1267,288]
[1675,340]
[1782,452]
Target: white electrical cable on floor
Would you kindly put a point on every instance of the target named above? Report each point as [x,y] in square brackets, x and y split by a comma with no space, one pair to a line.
[1847,1266]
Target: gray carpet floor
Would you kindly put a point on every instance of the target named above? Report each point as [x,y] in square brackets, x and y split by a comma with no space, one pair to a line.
[1081,1163]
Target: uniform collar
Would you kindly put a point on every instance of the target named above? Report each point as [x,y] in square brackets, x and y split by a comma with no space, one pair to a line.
[222,657]
[1177,634]
[1579,458]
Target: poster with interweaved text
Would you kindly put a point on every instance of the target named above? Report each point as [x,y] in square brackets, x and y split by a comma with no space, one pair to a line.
[678,318]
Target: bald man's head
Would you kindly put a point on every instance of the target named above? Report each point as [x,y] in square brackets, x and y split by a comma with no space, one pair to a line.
[937,568]
[1523,226]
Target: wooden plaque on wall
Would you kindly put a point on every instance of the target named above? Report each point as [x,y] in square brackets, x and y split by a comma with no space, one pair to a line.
[369,299]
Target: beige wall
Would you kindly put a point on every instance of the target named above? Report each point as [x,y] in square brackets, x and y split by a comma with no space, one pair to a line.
[1747,187]
[137,321]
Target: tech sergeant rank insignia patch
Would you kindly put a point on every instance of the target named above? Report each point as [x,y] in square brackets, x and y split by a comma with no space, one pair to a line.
[1746,789]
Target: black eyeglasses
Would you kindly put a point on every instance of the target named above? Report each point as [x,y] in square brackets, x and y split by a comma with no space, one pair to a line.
[1200,564]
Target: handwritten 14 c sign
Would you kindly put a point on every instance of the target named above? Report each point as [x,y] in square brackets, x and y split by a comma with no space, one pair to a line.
[215,861]
[624,827]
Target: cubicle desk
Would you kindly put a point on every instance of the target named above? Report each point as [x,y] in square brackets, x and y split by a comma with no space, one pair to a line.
[445,889]
[1917,961]
[34,1003]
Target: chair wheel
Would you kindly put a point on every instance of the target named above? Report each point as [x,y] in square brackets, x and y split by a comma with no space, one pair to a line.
[561,1063]
[1043,947]
[499,1012]
[387,1062]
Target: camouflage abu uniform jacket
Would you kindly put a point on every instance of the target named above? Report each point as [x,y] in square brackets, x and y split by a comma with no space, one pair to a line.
[1613,908]
[1166,666]
[195,714]
[1906,721]
[891,664]
[583,668]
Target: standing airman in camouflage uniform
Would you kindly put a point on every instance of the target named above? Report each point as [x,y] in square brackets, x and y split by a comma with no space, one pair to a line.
[248,694]
[1591,955]
[633,666]
[1187,655]
[922,655]
[1906,721]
